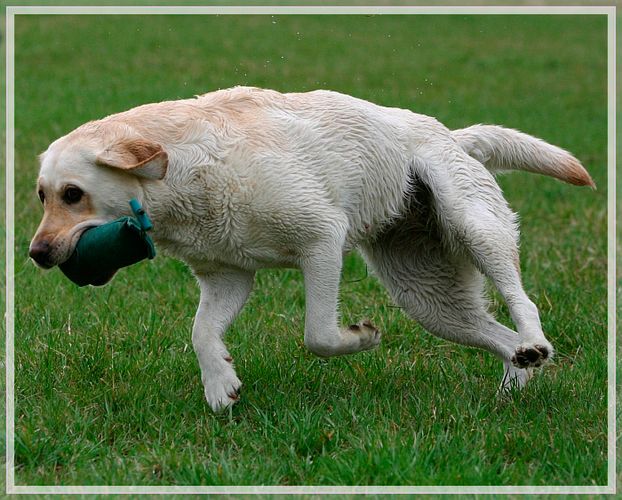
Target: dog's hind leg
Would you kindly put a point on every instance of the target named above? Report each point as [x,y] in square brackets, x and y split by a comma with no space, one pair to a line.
[223,295]
[441,291]
[323,335]
[475,219]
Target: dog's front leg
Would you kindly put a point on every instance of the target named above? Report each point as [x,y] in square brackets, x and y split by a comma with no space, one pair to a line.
[222,296]
[323,336]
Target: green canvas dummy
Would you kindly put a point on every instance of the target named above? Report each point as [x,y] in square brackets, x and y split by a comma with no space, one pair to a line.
[103,250]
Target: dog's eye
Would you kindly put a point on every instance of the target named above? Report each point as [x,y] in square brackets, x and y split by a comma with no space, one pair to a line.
[41,196]
[72,195]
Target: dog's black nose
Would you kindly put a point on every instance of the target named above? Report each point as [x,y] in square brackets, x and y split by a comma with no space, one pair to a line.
[40,252]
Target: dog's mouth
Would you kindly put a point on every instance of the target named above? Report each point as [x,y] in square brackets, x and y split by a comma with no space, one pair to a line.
[75,235]
[61,247]
[88,262]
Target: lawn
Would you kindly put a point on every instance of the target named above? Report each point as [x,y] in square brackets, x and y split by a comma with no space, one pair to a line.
[107,387]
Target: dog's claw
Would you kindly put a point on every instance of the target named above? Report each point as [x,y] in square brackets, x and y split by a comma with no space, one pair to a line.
[222,387]
[368,334]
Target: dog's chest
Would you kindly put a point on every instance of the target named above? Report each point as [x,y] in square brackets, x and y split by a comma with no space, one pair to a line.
[207,248]
[221,231]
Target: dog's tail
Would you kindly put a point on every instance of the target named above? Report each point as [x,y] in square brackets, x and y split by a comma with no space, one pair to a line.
[501,149]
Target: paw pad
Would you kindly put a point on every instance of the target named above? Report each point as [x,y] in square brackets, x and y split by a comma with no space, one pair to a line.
[535,355]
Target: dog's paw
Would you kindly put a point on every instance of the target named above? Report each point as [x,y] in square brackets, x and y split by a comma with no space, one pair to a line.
[369,336]
[532,355]
[222,387]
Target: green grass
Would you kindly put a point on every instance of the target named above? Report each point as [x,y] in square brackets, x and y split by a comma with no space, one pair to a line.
[108,389]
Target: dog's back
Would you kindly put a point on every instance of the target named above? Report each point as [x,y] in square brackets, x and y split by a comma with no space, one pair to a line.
[316,152]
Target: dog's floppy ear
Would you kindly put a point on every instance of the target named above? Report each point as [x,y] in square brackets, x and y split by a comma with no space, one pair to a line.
[136,156]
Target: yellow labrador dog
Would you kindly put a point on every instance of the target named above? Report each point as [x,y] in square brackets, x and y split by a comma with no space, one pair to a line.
[245,178]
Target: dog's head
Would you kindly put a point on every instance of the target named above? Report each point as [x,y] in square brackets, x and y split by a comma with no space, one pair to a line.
[86,179]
